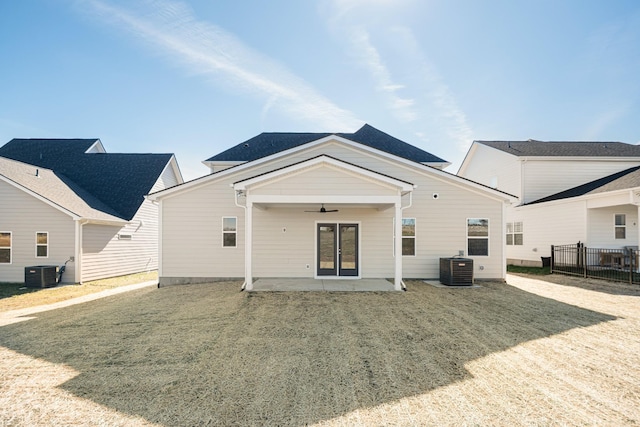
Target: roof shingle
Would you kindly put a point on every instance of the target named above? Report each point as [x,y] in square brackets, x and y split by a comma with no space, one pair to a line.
[268,143]
[119,181]
[565,148]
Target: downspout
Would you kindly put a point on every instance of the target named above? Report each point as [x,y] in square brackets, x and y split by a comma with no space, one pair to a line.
[235,199]
[78,250]
[402,208]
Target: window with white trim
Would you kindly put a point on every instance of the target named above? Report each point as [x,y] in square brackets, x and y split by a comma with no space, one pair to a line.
[229,231]
[42,244]
[620,227]
[477,236]
[514,233]
[5,247]
[408,236]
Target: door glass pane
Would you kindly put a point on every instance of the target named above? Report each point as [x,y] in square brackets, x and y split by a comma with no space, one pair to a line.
[327,247]
[348,247]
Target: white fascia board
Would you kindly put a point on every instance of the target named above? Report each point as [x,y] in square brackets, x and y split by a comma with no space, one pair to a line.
[330,199]
[589,197]
[96,147]
[579,158]
[176,169]
[319,161]
[467,158]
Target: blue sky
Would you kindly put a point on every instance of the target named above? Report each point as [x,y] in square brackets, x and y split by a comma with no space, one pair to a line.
[196,77]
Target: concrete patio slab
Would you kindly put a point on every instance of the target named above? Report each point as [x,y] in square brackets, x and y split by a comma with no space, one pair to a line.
[320,285]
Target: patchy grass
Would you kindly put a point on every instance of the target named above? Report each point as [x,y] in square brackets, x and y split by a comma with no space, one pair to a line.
[537,271]
[527,353]
[15,296]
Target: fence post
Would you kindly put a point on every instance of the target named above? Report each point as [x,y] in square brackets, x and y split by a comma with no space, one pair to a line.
[553,259]
[630,255]
[583,258]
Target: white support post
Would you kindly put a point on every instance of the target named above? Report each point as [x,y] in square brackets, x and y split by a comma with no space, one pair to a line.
[248,242]
[397,282]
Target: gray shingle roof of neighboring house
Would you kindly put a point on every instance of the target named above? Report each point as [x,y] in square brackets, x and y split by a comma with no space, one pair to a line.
[119,181]
[565,148]
[623,180]
[268,143]
[56,189]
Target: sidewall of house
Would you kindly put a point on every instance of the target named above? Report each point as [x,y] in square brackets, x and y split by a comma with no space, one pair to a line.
[24,215]
[561,223]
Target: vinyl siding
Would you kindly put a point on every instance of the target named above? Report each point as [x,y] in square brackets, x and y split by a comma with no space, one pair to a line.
[105,255]
[192,233]
[555,224]
[23,215]
[601,227]
[191,237]
[546,177]
[441,229]
[323,180]
[493,167]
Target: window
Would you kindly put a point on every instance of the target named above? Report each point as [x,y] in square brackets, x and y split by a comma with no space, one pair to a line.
[408,236]
[5,247]
[477,236]
[125,237]
[42,244]
[229,231]
[514,233]
[620,226]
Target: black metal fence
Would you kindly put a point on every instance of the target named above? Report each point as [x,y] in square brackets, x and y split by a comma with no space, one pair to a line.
[622,265]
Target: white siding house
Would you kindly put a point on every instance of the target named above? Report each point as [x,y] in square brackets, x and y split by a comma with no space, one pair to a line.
[327,206]
[48,218]
[569,192]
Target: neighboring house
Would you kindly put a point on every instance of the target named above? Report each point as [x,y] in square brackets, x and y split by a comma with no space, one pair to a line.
[322,205]
[569,192]
[68,201]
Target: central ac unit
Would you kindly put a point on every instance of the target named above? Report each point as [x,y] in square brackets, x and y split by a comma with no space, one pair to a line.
[456,271]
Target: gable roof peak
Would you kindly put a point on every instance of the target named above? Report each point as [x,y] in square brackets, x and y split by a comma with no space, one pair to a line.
[269,143]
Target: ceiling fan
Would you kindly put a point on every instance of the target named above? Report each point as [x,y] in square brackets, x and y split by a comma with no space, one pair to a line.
[323,210]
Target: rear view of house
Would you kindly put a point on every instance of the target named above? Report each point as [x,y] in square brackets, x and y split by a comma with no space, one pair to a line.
[68,201]
[322,205]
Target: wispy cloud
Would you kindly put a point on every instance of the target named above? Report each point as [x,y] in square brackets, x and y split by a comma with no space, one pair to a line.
[171,29]
[370,57]
[432,109]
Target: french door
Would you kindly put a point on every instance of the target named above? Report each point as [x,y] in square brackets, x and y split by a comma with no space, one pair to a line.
[337,249]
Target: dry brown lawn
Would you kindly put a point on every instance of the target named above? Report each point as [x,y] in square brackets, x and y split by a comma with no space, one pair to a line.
[528,353]
[65,292]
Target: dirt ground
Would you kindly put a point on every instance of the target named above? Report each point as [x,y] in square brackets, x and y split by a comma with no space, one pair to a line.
[538,351]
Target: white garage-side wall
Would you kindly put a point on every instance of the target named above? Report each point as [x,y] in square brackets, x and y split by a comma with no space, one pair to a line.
[24,215]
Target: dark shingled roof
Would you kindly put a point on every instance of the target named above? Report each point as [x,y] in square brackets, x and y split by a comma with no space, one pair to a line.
[268,143]
[628,178]
[120,181]
[565,149]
